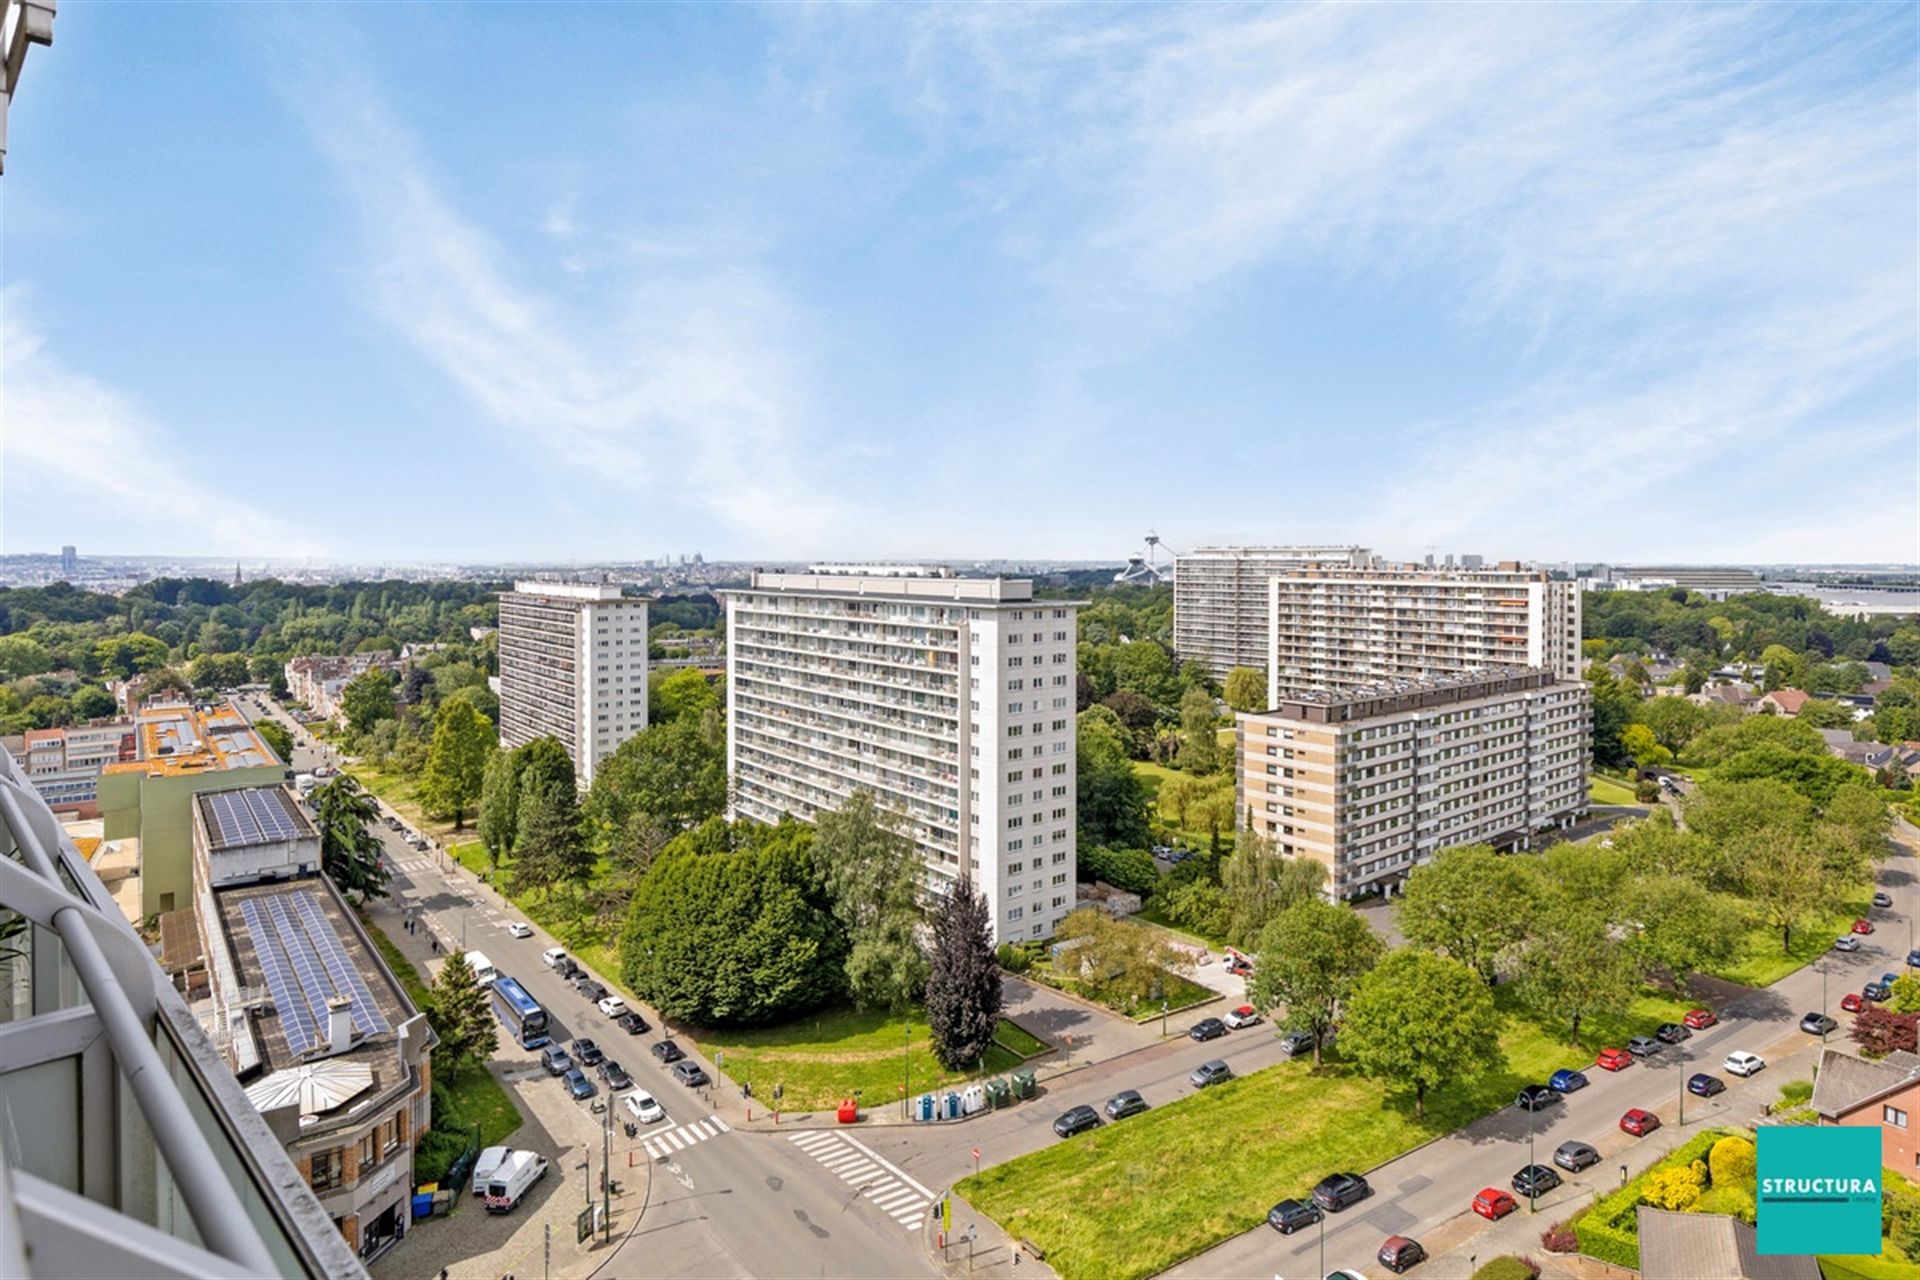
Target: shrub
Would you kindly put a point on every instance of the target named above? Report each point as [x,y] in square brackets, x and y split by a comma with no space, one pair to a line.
[1733,1200]
[1732,1163]
[1508,1268]
[1014,959]
[1676,1188]
[1560,1238]
[1130,869]
[1608,1231]
[1646,792]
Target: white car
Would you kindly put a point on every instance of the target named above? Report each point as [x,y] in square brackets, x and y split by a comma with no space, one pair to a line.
[1846,942]
[1742,1063]
[552,957]
[644,1108]
[1245,1016]
[520,929]
[612,1006]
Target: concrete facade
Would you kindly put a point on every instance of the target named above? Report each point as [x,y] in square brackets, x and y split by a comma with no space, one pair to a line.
[573,666]
[1220,615]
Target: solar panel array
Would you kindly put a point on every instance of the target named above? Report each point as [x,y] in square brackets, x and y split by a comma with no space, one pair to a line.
[249,816]
[305,966]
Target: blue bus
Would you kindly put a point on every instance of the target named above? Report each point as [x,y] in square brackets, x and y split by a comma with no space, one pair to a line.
[521,1012]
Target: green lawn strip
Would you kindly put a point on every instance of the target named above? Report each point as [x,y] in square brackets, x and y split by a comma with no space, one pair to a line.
[1177,992]
[843,1053]
[1126,1201]
[472,1098]
[1015,1038]
[1759,962]
[1889,1265]
[1603,791]
[1153,914]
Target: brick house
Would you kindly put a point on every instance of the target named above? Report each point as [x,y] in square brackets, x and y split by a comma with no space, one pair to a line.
[1851,1090]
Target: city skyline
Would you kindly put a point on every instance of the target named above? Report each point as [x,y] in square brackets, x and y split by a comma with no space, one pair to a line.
[778,283]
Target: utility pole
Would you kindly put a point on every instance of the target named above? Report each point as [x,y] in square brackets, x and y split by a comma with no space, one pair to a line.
[906,1077]
[606,1173]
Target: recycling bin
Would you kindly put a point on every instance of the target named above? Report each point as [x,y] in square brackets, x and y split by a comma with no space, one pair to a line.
[923,1107]
[953,1107]
[998,1094]
[1024,1084]
[973,1099]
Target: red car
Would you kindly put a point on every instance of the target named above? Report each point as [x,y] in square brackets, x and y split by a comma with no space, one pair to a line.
[1851,1002]
[1613,1059]
[1700,1019]
[1863,926]
[1494,1204]
[1639,1123]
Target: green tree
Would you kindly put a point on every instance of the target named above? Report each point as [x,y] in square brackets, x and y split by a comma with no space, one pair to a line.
[1199,736]
[123,656]
[367,698]
[1112,797]
[349,849]
[683,694]
[1674,721]
[1571,968]
[1643,748]
[21,656]
[1145,667]
[457,761]
[872,876]
[1785,668]
[461,1012]
[500,804]
[549,847]
[1682,926]
[1906,995]
[674,772]
[1471,902]
[1823,713]
[211,671]
[1312,955]
[276,736]
[1421,1019]
[1246,689]
[1784,875]
[1614,707]
[1124,962]
[91,702]
[1261,882]
[734,935]
[963,981]
[544,762]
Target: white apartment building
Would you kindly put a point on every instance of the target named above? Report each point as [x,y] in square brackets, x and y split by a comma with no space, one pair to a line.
[1346,628]
[1372,782]
[1220,599]
[64,764]
[951,699]
[573,666]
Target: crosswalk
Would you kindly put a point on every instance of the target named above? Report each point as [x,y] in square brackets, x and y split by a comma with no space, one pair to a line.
[680,1137]
[882,1183]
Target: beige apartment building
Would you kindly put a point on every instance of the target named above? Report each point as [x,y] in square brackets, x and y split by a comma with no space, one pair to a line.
[1348,628]
[1373,781]
[573,666]
[1220,595]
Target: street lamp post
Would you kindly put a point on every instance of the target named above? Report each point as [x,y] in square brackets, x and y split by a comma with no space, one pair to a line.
[1533,1191]
[1163,1019]
[1323,1241]
[906,1071]
[1823,1000]
[1681,1049]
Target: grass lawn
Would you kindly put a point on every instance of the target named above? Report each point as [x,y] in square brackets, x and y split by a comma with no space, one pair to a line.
[1153,915]
[1155,775]
[1759,962]
[1133,1199]
[473,1098]
[401,793]
[1179,992]
[1604,791]
[840,1053]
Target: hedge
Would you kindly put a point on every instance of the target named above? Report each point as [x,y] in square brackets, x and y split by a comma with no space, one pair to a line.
[1609,1231]
[1863,1266]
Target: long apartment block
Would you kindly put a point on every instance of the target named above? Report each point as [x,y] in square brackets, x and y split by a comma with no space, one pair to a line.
[1333,628]
[1220,599]
[950,699]
[573,666]
[1372,782]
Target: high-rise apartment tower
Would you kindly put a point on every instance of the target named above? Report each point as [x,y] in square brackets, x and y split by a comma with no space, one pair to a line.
[573,666]
[1220,599]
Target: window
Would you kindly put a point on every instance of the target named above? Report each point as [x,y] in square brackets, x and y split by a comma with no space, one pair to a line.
[329,1169]
[1014,913]
[1893,1116]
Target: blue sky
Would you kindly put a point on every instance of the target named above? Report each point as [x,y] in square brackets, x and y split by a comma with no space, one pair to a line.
[554,282]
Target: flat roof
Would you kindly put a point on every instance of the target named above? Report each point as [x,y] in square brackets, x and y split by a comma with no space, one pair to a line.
[177,739]
[881,586]
[1394,697]
[240,817]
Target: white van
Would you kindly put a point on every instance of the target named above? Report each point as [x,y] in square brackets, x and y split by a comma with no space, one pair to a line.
[552,956]
[512,1179]
[483,970]
[487,1165]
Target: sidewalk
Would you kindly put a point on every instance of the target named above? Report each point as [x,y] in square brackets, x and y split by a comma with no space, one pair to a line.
[991,1252]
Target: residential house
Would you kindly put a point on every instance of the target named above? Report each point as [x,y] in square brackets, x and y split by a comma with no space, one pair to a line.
[1783,702]
[1712,1244]
[1850,1090]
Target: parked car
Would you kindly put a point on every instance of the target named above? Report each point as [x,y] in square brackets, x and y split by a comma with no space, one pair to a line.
[1295,1043]
[1245,1016]
[587,1051]
[1846,942]
[1214,1072]
[631,1023]
[1613,1059]
[1400,1253]
[612,1006]
[644,1108]
[1567,1080]
[486,1166]
[1077,1120]
[592,990]
[1240,966]
[555,1060]
[519,929]
[1700,1019]
[1207,1029]
[1878,992]
[1338,1190]
[615,1075]
[1536,1097]
[1575,1156]
[667,1051]
[1818,1024]
[1882,899]
[1888,979]
[552,957]
[579,1086]
[1126,1103]
[1863,926]
[569,969]
[1643,1046]
[1851,1002]
[689,1074]
[1289,1216]
[1743,1064]
[1702,1085]
[1913,958]
[1639,1122]
[1535,1180]
[1672,1033]
[1494,1204]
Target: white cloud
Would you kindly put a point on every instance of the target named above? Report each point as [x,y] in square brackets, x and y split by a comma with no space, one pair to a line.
[75,445]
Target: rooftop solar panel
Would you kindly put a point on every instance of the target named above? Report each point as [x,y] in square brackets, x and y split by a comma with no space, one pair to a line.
[345,974]
[289,1000]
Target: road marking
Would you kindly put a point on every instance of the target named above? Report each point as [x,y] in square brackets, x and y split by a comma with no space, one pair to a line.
[668,1141]
[889,1190]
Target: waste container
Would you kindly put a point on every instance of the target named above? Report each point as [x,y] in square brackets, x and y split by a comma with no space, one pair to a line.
[998,1094]
[422,1205]
[1024,1085]
[973,1099]
[923,1107]
[953,1107]
[848,1112]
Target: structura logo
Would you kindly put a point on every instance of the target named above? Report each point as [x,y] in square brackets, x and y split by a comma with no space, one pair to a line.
[1818,1190]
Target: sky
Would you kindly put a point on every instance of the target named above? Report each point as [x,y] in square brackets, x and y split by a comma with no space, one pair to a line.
[507,282]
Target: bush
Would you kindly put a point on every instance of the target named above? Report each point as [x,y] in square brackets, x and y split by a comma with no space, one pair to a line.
[1732,1162]
[1646,792]
[1733,1200]
[1130,869]
[1609,1230]
[1560,1238]
[1014,959]
[1675,1188]
[1509,1268]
